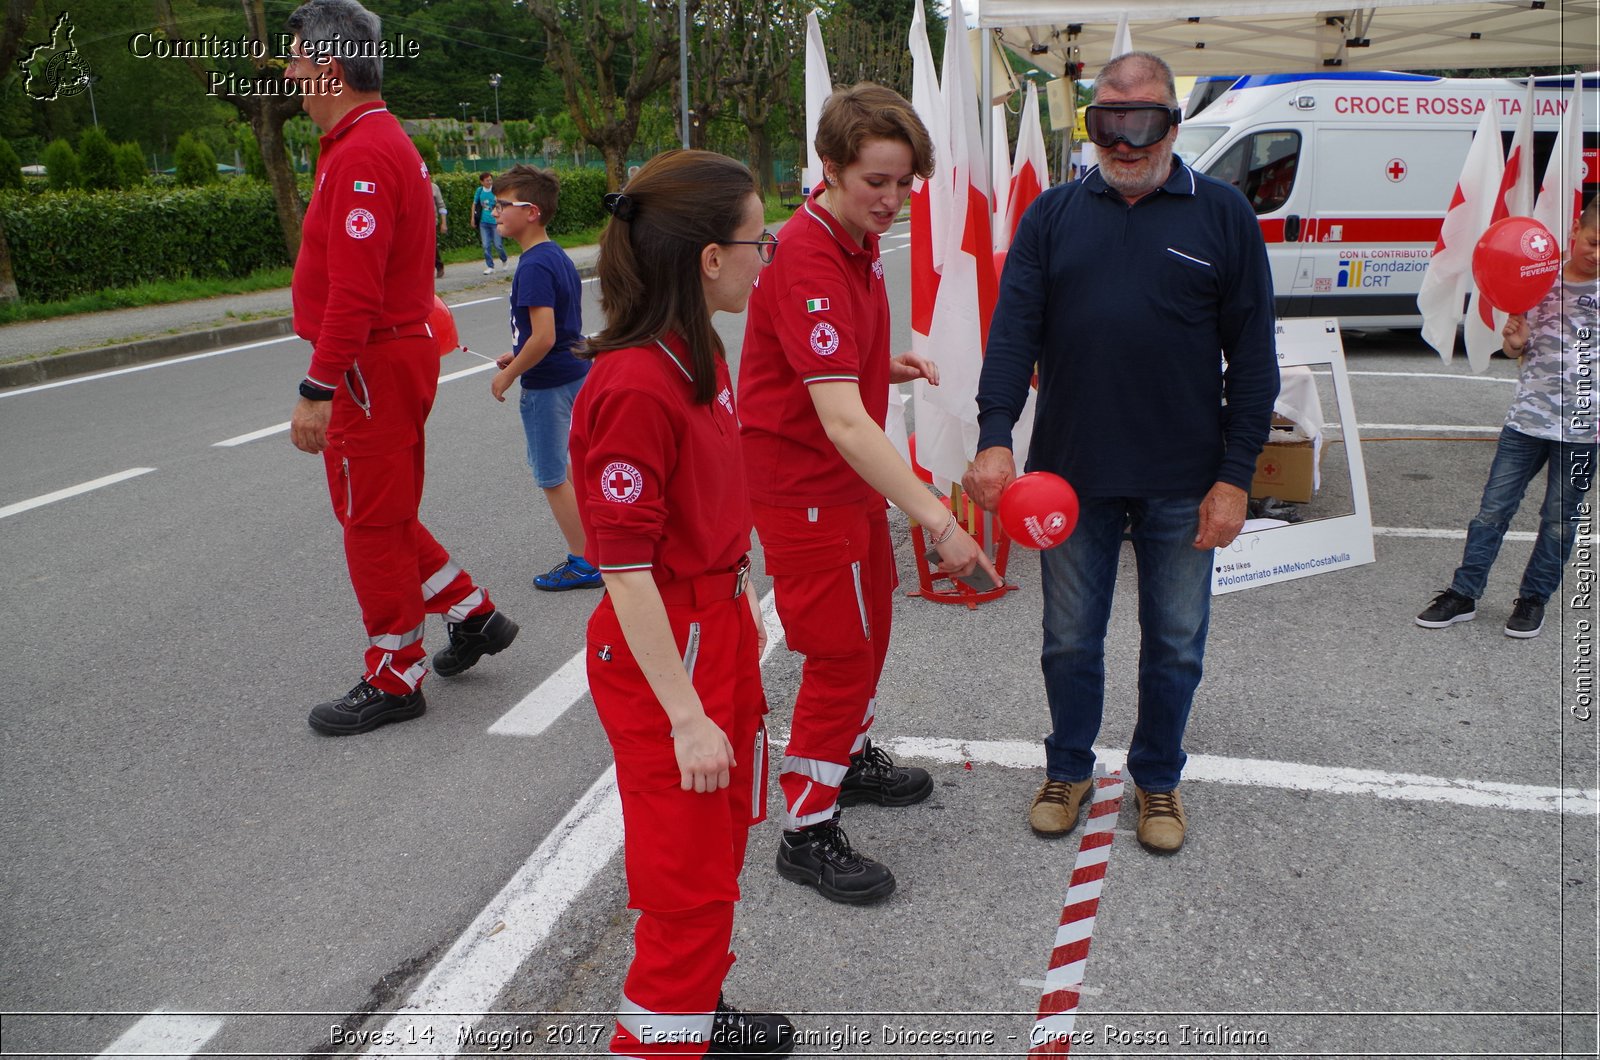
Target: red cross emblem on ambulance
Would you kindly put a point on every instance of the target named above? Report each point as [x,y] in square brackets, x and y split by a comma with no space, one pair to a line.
[1396,170]
[621,483]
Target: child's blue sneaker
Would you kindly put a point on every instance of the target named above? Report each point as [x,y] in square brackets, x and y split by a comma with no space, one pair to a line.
[573,572]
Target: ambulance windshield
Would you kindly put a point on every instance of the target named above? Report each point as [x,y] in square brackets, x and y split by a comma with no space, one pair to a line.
[1194,140]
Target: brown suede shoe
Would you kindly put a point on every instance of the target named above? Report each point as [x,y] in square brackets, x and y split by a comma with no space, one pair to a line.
[1161,820]
[1056,806]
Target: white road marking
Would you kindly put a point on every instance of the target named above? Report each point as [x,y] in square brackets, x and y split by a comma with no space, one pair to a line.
[265,432]
[1256,772]
[466,981]
[469,978]
[72,491]
[1448,428]
[145,367]
[1443,535]
[542,707]
[161,1034]
[280,428]
[1436,375]
[556,694]
[474,370]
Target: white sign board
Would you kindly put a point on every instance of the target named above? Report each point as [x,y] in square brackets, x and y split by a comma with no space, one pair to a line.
[1316,546]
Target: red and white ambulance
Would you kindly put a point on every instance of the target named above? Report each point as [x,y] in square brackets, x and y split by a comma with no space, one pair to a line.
[1351,175]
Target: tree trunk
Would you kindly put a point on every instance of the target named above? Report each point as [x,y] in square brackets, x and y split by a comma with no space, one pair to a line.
[8,277]
[616,156]
[17,13]
[760,148]
[268,127]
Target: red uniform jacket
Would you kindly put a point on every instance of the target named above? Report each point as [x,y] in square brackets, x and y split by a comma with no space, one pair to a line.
[819,313]
[659,479]
[365,265]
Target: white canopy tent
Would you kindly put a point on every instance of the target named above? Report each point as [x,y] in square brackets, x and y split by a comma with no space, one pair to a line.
[1299,36]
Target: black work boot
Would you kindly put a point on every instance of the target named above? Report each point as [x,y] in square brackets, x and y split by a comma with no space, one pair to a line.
[873,777]
[363,709]
[735,1033]
[472,640]
[821,857]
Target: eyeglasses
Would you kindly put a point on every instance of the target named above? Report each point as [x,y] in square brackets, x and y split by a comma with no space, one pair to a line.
[1135,124]
[502,204]
[765,246]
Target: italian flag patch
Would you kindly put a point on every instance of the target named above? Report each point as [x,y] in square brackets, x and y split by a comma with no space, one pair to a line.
[816,305]
[366,186]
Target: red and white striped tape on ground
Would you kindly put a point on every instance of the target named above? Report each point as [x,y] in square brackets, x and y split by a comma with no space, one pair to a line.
[1058,1008]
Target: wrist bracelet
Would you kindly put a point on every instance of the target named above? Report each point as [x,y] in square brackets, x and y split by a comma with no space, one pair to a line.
[312,392]
[947,533]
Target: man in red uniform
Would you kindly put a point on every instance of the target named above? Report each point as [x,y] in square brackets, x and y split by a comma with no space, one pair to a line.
[362,295]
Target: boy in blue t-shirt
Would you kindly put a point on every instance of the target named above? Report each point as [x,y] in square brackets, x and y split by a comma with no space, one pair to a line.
[546,325]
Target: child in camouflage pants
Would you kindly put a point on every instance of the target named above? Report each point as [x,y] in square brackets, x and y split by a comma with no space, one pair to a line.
[1551,423]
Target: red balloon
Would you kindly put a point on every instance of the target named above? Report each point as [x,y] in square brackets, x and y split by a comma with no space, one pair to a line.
[443,326]
[1039,510]
[1515,263]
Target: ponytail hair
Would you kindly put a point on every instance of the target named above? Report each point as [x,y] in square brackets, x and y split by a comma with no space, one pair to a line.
[650,285]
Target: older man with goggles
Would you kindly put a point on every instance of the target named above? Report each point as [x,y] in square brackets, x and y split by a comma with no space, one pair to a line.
[1140,237]
[1135,124]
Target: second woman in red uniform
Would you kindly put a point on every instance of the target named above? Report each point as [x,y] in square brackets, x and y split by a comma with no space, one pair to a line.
[814,380]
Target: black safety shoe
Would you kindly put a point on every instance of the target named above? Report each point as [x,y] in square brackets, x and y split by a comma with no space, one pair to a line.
[735,1033]
[1527,618]
[873,777]
[1448,608]
[821,857]
[472,640]
[363,709]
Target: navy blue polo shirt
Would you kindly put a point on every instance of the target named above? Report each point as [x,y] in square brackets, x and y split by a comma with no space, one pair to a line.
[545,276]
[1152,328]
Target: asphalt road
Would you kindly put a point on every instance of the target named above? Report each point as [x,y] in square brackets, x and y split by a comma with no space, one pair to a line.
[1392,830]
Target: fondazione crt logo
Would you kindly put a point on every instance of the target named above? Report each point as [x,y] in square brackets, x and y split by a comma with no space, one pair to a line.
[54,69]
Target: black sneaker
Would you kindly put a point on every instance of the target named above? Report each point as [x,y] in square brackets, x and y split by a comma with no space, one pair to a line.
[1527,618]
[472,640]
[1448,608]
[735,1033]
[873,777]
[363,709]
[820,857]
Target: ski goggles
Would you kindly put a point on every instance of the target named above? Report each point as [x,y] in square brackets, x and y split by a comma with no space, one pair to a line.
[1135,124]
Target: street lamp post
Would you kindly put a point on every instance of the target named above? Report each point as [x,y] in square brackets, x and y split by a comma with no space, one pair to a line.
[463,107]
[494,80]
[683,65]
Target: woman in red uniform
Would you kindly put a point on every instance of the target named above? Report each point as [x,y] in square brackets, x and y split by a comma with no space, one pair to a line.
[674,648]
[814,380]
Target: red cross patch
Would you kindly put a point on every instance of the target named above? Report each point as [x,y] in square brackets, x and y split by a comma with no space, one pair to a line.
[359,224]
[1396,170]
[621,483]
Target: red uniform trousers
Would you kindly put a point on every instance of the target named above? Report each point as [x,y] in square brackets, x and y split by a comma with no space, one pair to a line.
[682,850]
[833,577]
[399,572]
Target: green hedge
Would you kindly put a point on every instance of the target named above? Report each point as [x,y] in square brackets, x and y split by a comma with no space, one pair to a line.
[580,206]
[80,242]
[65,244]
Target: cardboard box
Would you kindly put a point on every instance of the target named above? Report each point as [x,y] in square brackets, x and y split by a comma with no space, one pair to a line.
[1285,468]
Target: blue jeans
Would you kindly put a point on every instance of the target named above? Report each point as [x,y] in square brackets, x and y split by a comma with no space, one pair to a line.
[1517,459]
[546,422]
[1079,578]
[489,233]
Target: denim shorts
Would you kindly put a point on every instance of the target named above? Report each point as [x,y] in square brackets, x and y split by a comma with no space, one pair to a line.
[547,420]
